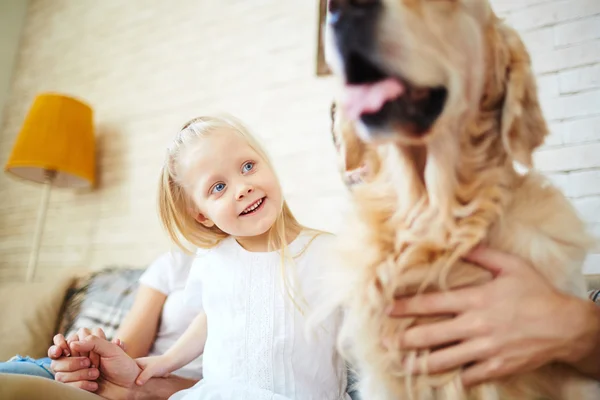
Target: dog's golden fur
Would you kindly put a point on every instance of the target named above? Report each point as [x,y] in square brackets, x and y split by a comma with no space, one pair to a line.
[355,157]
[429,203]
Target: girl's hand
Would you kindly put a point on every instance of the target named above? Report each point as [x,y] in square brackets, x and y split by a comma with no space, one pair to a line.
[515,323]
[152,367]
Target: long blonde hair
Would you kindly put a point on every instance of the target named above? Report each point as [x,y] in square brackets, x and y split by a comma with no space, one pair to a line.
[177,209]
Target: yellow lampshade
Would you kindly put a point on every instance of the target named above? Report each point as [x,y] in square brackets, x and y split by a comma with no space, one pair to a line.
[57,136]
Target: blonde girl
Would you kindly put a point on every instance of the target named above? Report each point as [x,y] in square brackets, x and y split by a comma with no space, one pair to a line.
[257,271]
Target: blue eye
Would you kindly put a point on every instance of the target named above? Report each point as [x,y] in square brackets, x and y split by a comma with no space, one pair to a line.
[248,166]
[219,187]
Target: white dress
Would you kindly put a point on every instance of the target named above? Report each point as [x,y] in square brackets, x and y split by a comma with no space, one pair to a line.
[258,344]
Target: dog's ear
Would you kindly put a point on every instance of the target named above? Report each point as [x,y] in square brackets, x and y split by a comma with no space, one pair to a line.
[351,150]
[523,125]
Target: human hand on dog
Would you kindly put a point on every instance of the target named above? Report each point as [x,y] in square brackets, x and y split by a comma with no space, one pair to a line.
[515,323]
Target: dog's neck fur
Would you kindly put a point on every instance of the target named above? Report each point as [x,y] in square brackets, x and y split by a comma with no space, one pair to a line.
[441,198]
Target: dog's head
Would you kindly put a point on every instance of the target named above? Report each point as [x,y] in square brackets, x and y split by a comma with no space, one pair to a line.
[410,66]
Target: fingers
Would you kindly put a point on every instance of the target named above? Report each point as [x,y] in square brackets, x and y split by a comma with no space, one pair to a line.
[82,333]
[494,260]
[70,364]
[119,343]
[441,303]
[143,362]
[94,357]
[94,360]
[54,352]
[453,357]
[98,332]
[61,346]
[75,372]
[482,372]
[86,374]
[73,338]
[145,375]
[98,345]
[443,332]
[151,367]
[90,386]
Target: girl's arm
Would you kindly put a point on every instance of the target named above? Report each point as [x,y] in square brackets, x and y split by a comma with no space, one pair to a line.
[139,327]
[191,344]
[187,348]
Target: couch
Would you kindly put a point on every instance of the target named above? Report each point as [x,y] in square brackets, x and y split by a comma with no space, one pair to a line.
[34,312]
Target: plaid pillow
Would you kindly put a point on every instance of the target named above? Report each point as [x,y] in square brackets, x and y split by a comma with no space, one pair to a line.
[100,301]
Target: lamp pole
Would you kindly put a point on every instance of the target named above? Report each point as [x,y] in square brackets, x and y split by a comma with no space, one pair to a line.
[49,176]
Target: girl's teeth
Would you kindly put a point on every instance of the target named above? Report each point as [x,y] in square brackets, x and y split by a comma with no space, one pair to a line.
[254,207]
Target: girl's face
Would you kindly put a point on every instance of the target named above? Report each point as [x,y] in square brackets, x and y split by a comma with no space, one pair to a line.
[232,186]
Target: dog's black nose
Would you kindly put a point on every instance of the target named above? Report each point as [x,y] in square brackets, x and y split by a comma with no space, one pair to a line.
[351,7]
[358,16]
[337,4]
[354,24]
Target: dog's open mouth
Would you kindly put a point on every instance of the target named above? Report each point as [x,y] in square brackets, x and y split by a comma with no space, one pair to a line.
[385,102]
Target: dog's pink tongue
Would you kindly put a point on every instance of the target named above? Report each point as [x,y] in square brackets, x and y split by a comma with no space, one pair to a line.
[369,98]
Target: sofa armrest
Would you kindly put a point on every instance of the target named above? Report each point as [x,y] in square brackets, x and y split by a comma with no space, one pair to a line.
[29,316]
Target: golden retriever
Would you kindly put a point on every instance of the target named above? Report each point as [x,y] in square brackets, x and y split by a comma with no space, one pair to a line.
[438,100]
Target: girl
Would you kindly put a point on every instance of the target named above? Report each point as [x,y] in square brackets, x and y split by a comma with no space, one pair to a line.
[257,273]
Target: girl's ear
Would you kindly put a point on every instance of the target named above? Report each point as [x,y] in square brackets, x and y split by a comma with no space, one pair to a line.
[204,221]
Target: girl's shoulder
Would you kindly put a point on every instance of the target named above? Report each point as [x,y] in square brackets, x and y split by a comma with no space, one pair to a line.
[207,256]
[203,259]
[218,261]
[314,243]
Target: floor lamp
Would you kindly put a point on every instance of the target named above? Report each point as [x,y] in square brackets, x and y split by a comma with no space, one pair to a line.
[56,148]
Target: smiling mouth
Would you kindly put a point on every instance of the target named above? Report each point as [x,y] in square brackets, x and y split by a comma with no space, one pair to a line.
[384,101]
[254,207]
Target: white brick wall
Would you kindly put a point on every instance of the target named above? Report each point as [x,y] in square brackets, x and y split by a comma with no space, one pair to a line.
[579,79]
[577,31]
[563,37]
[148,66]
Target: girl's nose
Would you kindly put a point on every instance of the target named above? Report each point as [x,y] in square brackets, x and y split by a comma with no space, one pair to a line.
[244,191]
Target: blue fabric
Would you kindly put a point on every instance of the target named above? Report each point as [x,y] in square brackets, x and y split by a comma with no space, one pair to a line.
[28,366]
